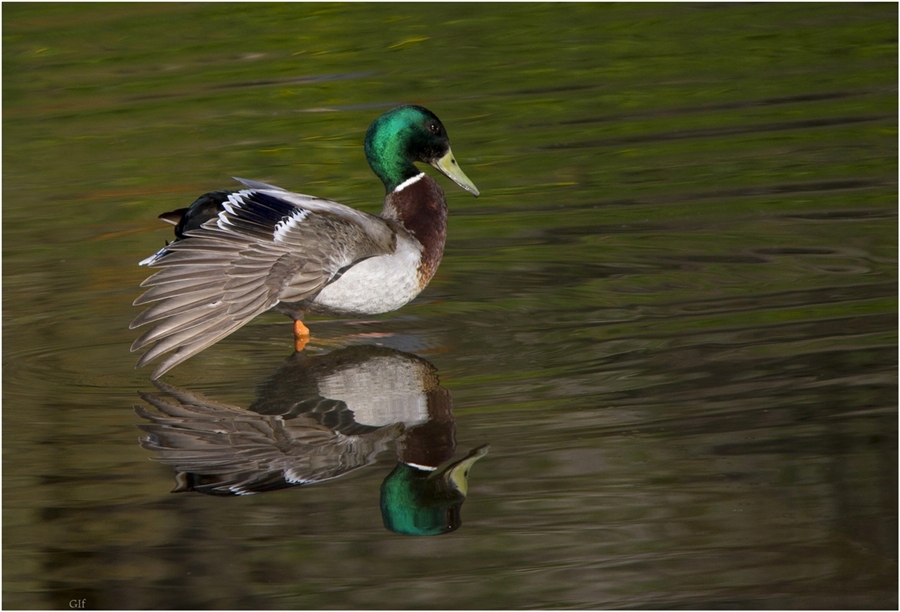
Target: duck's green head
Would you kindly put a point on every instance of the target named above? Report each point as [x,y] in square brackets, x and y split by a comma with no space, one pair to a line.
[410,134]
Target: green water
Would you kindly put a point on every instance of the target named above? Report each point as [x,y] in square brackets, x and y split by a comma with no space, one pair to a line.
[672,313]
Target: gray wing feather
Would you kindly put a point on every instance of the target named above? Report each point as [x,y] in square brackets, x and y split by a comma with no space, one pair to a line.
[256,184]
[268,246]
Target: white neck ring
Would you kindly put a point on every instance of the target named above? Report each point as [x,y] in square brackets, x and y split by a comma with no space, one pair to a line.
[408,182]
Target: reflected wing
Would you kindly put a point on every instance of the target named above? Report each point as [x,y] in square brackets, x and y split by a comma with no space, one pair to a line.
[265,247]
[228,450]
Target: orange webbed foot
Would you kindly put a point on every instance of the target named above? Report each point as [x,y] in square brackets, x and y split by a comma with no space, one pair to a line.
[301,335]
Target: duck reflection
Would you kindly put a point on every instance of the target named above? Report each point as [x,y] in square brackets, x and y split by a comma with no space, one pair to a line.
[318,418]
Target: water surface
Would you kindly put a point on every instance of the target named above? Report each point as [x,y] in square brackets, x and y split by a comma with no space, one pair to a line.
[672,313]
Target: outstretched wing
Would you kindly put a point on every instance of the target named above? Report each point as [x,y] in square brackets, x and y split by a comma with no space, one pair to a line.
[266,246]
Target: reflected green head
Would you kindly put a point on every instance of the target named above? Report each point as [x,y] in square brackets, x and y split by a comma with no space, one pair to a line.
[421,502]
[415,503]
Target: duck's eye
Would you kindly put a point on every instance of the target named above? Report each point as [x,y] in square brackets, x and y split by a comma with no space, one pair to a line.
[434,128]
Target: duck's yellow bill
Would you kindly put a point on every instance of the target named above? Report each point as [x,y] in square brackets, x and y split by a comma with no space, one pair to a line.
[448,166]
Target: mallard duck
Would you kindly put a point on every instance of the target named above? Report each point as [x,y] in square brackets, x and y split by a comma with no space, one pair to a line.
[239,253]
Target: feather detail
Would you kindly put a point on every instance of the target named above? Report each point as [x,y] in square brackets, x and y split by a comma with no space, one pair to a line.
[265,246]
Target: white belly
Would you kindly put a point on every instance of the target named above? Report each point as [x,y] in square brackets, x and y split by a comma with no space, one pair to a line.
[376,285]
